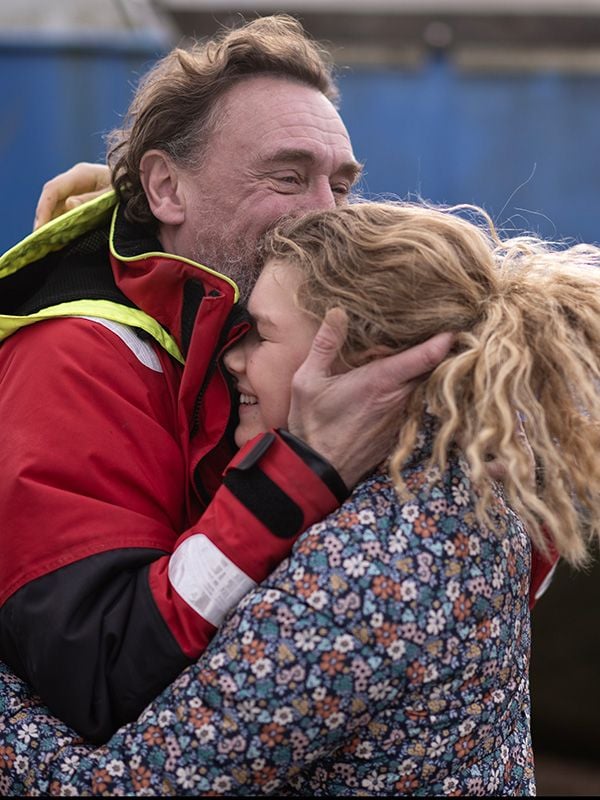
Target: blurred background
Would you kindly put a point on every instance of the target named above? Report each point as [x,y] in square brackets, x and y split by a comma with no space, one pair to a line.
[493,102]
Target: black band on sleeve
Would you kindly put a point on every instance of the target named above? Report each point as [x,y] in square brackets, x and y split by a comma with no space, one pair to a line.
[264,499]
[320,466]
[252,458]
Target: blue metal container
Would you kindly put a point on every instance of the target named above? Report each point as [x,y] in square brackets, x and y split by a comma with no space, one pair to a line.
[61,94]
[524,145]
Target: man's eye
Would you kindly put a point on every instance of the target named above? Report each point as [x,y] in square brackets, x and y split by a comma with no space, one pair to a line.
[285,177]
[341,194]
[292,179]
[341,189]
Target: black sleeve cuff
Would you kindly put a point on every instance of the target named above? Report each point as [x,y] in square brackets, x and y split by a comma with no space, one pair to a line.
[319,465]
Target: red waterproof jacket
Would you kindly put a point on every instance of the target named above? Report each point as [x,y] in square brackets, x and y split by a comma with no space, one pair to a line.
[127,528]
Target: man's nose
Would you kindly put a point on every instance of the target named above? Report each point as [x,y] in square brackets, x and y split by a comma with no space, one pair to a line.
[321,197]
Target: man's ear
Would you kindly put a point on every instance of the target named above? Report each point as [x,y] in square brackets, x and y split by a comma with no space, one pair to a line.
[163,188]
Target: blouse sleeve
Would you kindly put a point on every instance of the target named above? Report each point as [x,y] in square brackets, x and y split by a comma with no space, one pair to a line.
[296,670]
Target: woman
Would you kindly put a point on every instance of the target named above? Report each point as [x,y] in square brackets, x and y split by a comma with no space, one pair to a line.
[389,655]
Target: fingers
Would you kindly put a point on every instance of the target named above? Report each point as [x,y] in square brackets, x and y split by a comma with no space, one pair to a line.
[327,343]
[56,194]
[79,199]
[418,360]
[48,207]
[397,375]
[401,368]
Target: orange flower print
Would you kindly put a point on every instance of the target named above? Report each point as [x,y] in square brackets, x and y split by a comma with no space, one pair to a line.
[266,774]
[253,651]
[332,662]
[100,781]
[407,784]
[415,480]
[140,778]
[272,734]
[464,746]
[262,610]
[198,716]
[153,735]
[327,706]
[415,672]
[462,607]
[307,585]
[7,757]
[385,588]
[386,634]
[484,630]
[461,546]
[424,526]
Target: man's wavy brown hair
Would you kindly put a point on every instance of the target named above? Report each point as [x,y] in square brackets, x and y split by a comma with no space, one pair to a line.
[176,108]
[526,314]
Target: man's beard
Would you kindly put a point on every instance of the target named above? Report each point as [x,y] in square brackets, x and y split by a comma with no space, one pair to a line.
[237,258]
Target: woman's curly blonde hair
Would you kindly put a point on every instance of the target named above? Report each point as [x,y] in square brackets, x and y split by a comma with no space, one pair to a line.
[526,314]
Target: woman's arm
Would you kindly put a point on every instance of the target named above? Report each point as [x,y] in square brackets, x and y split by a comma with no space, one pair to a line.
[331,663]
[288,679]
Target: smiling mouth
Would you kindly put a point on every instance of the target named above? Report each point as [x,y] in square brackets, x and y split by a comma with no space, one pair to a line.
[248,399]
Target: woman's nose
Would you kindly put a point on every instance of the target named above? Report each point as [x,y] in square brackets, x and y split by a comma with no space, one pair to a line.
[234,359]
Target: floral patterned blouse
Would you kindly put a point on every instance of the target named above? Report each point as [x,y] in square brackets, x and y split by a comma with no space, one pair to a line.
[387,656]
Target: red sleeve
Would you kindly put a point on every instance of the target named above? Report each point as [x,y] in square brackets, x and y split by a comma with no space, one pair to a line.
[273,489]
[93,506]
[542,571]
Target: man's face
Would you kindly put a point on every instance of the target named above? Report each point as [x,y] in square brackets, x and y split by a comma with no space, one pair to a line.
[280,148]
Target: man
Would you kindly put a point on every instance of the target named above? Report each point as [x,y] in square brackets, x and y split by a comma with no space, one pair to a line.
[122,551]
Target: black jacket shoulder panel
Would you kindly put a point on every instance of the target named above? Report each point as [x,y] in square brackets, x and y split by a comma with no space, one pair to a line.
[91,641]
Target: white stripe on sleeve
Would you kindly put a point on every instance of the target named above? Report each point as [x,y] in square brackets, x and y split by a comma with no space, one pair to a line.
[207,579]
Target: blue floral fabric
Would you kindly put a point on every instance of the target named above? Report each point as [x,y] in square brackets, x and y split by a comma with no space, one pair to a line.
[388,655]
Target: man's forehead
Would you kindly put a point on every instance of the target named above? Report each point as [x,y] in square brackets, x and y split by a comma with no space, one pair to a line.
[267,107]
[248,87]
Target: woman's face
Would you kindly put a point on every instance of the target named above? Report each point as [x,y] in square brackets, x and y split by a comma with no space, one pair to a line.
[264,361]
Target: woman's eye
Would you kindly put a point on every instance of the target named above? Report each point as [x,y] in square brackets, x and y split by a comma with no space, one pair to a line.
[256,335]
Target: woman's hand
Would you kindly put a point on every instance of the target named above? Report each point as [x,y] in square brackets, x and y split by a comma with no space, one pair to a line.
[82,182]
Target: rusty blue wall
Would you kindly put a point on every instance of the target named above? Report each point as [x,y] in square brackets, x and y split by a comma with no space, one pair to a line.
[524,146]
[59,97]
